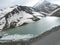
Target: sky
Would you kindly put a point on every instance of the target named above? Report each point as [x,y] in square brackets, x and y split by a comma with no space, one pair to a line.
[54,1]
[8,3]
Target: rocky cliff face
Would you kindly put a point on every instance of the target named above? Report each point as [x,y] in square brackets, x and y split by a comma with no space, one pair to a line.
[17,16]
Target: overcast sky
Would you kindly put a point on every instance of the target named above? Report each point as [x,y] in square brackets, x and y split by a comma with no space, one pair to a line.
[7,3]
[54,1]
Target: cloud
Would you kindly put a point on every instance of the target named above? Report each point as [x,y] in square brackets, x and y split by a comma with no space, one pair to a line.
[7,3]
[54,1]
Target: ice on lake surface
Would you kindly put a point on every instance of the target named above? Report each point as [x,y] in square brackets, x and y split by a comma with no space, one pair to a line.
[16,37]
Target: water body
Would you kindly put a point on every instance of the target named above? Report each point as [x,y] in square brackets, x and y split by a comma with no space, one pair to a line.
[35,28]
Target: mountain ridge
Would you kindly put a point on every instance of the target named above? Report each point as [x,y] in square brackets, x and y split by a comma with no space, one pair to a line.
[17,16]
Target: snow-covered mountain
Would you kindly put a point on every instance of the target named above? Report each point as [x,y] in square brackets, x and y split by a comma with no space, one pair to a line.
[17,16]
[46,7]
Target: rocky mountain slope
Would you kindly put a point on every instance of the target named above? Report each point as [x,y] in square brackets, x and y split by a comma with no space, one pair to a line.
[12,17]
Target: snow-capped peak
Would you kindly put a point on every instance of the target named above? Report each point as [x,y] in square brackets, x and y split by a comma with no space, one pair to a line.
[17,16]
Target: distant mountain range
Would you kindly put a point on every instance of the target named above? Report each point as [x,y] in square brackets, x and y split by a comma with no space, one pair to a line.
[15,16]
